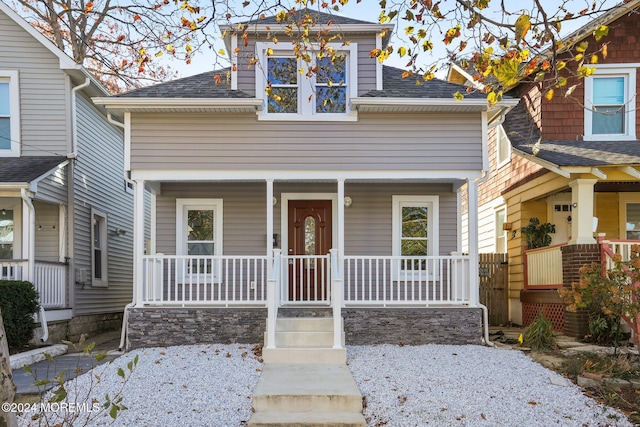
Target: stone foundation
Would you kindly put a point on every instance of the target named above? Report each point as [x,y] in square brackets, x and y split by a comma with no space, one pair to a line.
[412,326]
[90,325]
[153,327]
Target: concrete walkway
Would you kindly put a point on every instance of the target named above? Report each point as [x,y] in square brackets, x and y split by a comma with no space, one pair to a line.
[73,363]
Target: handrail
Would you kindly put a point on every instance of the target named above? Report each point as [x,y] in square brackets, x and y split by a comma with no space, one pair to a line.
[336,297]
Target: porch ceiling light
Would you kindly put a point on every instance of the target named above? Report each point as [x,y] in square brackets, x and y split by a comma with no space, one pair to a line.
[348,201]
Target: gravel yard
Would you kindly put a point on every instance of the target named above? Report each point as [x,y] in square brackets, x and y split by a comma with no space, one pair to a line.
[432,385]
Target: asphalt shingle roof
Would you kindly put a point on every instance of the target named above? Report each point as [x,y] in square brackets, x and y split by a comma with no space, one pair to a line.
[397,87]
[318,17]
[26,169]
[523,133]
[204,86]
[201,85]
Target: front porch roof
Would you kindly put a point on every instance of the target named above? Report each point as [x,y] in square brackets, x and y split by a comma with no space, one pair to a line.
[526,139]
[25,170]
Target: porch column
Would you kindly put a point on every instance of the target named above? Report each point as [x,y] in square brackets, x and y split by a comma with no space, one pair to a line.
[582,212]
[269,206]
[138,241]
[340,241]
[472,224]
[29,234]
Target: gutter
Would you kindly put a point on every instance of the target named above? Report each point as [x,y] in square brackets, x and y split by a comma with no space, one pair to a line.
[32,254]
[544,163]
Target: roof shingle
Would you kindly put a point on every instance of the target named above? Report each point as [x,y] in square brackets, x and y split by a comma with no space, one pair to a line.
[26,169]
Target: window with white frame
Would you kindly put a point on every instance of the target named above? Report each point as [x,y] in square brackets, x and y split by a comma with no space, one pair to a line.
[503,147]
[9,114]
[99,249]
[610,105]
[199,235]
[415,228]
[632,223]
[316,87]
[7,233]
[501,233]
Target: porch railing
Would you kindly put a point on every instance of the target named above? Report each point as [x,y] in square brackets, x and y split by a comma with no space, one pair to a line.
[620,247]
[198,280]
[307,279]
[543,267]
[50,279]
[389,280]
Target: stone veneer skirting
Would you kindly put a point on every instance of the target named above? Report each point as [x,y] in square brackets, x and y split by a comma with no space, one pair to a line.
[156,326]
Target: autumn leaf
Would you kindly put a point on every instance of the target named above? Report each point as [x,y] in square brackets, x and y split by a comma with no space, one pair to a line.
[549,95]
[222,52]
[523,24]
[89,7]
[601,31]
[458,96]
[402,51]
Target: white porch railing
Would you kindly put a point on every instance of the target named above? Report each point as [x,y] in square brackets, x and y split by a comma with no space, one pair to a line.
[395,280]
[621,247]
[50,279]
[202,280]
[13,269]
[308,278]
[543,267]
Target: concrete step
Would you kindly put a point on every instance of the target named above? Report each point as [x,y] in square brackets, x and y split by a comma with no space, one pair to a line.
[301,355]
[312,419]
[305,388]
[297,339]
[300,324]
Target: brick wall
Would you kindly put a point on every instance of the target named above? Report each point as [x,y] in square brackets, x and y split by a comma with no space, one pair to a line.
[412,326]
[573,257]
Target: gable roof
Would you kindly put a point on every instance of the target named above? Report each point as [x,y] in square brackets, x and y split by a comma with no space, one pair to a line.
[319,17]
[526,138]
[23,170]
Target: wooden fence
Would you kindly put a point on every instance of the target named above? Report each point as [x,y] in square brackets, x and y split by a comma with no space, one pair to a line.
[494,287]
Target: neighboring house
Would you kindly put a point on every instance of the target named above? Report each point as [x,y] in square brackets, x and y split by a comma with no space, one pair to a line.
[262,207]
[66,211]
[570,161]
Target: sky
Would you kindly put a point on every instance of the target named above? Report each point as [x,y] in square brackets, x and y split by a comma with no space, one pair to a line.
[369,10]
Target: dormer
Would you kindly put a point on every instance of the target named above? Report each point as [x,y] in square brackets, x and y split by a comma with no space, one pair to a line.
[315,80]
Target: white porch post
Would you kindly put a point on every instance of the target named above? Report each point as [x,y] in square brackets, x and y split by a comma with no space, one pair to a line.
[138,242]
[472,203]
[29,235]
[340,243]
[582,211]
[269,207]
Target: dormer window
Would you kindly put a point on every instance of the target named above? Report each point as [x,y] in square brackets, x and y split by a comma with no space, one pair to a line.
[610,105]
[293,92]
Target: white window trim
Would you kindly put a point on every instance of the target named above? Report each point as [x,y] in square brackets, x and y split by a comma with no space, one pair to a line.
[629,75]
[11,77]
[499,133]
[104,281]
[496,210]
[182,205]
[286,49]
[433,203]
[624,200]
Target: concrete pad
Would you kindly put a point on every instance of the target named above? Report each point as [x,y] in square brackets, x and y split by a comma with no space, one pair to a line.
[321,356]
[275,419]
[30,357]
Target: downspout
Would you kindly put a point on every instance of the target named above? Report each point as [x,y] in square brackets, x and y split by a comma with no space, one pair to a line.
[74,119]
[125,314]
[32,254]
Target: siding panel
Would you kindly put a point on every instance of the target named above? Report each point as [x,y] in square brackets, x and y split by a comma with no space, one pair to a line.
[47,231]
[240,142]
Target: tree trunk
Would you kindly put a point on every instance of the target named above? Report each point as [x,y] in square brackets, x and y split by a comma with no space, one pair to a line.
[7,388]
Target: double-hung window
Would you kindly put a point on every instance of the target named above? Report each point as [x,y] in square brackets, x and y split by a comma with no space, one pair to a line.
[9,114]
[610,105]
[313,86]
[99,249]
[415,235]
[199,236]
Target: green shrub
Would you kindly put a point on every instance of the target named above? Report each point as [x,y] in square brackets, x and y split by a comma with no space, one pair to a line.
[19,303]
[539,335]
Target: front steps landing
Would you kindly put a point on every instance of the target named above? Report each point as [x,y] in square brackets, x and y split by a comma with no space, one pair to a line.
[306,395]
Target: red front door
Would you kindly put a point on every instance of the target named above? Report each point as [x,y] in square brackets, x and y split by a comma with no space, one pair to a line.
[309,235]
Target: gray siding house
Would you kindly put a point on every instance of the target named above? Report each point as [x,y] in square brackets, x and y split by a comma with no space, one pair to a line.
[341,201]
[66,212]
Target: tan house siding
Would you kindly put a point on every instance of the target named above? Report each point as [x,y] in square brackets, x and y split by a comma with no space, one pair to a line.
[415,142]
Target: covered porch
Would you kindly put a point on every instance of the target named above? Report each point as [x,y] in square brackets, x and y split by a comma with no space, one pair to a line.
[326,246]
